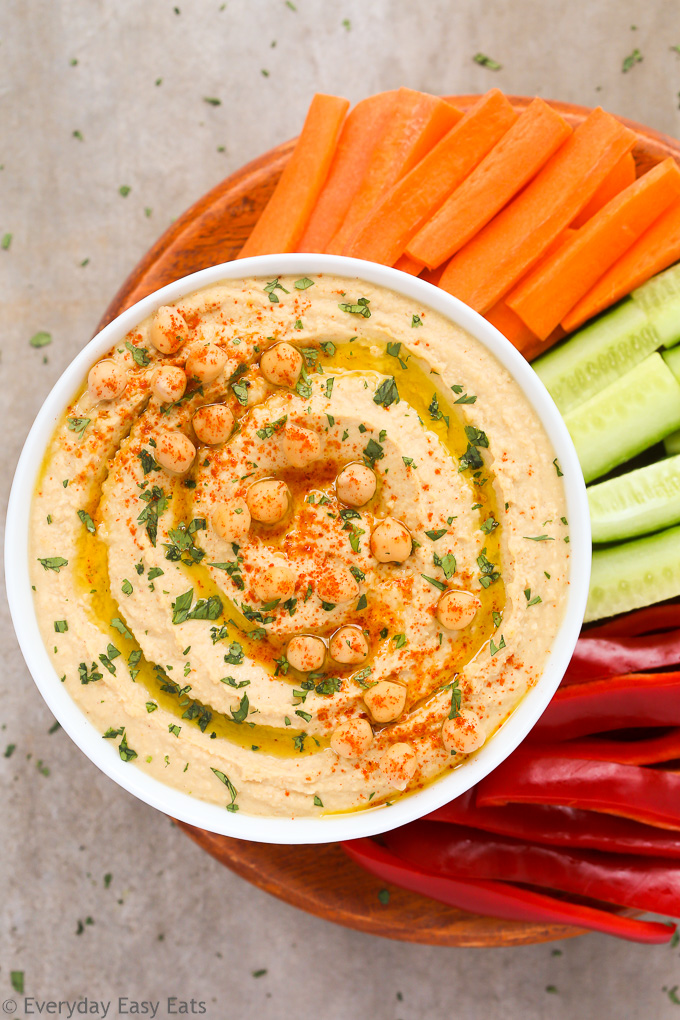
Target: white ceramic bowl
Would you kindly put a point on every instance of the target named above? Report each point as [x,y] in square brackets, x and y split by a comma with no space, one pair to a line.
[212,817]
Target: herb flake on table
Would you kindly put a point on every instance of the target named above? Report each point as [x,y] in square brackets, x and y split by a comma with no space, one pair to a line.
[631,60]
[484,61]
[40,339]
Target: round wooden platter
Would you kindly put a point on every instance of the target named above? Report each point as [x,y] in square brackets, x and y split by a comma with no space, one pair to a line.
[321,879]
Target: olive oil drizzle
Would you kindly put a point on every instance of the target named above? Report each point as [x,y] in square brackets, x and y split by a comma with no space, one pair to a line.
[416,385]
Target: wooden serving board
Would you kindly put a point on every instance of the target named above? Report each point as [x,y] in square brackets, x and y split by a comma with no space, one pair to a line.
[321,879]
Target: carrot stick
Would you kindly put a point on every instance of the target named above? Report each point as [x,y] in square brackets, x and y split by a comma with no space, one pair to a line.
[623,174]
[361,132]
[658,248]
[385,233]
[409,265]
[418,121]
[485,269]
[285,216]
[550,290]
[511,326]
[517,157]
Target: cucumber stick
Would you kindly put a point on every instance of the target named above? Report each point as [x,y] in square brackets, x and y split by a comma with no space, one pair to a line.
[672,444]
[634,574]
[636,411]
[596,356]
[636,503]
[614,343]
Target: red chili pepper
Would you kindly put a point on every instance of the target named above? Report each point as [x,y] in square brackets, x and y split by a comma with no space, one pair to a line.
[649,751]
[602,656]
[622,702]
[501,899]
[562,826]
[457,852]
[631,791]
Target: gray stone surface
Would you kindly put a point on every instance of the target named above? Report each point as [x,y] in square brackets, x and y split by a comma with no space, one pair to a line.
[172,922]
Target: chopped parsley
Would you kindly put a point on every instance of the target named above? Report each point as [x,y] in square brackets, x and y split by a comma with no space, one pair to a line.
[156,505]
[484,61]
[493,648]
[435,412]
[139,354]
[87,521]
[387,393]
[489,573]
[436,534]
[271,289]
[53,562]
[78,424]
[393,350]
[539,538]
[240,714]
[456,698]
[373,452]
[447,564]
[434,581]
[560,473]
[303,283]
[148,462]
[360,308]
[232,806]
[416,321]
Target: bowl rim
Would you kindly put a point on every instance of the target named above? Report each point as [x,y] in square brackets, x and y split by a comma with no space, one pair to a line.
[270,828]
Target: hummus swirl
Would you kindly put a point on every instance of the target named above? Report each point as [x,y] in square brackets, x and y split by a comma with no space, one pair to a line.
[299,546]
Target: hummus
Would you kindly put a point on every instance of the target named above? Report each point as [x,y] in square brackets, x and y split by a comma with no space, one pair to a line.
[299,546]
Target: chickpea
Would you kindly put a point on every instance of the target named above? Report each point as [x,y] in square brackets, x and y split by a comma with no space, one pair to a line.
[268,500]
[348,645]
[175,452]
[306,652]
[353,738]
[231,520]
[206,363]
[456,609]
[301,446]
[169,330]
[391,541]
[398,764]
[385,700]
[337,585]
[213,423]
[281,365]
[275,582]
[106,380]
[168,383]
[355,484]
[462,734]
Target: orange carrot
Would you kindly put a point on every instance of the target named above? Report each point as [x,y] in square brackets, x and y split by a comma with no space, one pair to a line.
[485,269]
[361,132]
[550,290]
[658,248]
[623,174]
[517,157]
[418,121]
[385,233]
[408,265]
[285,216]
[511,326]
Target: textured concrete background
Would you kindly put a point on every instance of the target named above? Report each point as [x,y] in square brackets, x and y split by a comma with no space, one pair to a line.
[130,77]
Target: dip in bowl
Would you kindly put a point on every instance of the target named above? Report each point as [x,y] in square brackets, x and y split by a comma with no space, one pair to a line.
[309,544]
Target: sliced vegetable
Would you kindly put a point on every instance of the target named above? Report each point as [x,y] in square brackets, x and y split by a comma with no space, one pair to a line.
[631,791]
[361,133]
[562,826]
[500,899]
[511,326]
[285,216]
[649,751]
[629,415]
[518,156]
[643,621]
[599,655]
[636,503]
[621,702]
[622,175]
[634,574]
[454,851]
[597,355]
[409,265]
[485,269]
[384,234]
[658,248]
[544,296]
[418,122]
